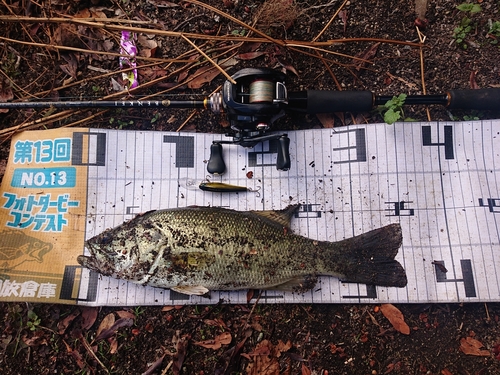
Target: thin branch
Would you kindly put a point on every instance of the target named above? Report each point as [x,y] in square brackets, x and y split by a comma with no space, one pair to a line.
[81,50]
[88,118]
[330,22]
[241,23]
[193,113]
[86,345]
[422,70]
[210,60]
[328,52]
[266,39]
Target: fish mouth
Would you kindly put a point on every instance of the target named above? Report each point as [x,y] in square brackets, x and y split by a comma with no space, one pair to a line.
[87,262]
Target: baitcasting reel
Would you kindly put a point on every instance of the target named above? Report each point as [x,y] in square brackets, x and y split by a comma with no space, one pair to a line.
[252,105]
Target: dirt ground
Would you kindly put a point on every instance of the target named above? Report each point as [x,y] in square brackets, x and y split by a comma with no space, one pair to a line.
[376,48]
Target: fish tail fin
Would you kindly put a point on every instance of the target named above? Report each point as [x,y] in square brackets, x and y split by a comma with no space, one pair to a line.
[369,258]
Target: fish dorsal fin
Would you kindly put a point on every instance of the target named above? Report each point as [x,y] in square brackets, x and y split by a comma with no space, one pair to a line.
[197,290]
[280,217]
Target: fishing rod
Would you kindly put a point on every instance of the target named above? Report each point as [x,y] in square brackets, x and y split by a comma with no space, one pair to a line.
[259,98]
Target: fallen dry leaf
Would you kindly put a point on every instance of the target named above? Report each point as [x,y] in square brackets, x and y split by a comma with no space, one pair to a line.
[208,73]
[106,323]
[496,351]
[334,349]
[215,323]
[36,340]
[396,318]
[63,324]
[76,355]
[256,326]
[367,54]
[181,344]
[107,333]
[250,55]
[89,316]
[90,13]
[343,16]
[124,314]
[287,65]
[66,35]
[421,8]
[154,365]
[113,345]
[147,46]
[326,119]
[249,47]
[472,81]
[222,339]
[149,327]
[283,347]
[5,93]
[228,3]
[83,13]
[97,13]
[163,4]
[263,363]
[472,346]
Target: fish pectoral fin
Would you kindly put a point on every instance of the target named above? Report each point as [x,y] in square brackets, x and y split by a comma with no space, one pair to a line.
[197,290]
[299,283]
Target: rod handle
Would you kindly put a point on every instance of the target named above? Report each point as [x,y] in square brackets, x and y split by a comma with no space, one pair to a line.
[327,101]
[216,163]
[480,99]
[283,159]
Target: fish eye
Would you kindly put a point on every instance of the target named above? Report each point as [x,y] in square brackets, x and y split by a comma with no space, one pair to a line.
[106,238]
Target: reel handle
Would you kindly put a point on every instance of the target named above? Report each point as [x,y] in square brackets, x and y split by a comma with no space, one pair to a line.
[283,159]
[216,163]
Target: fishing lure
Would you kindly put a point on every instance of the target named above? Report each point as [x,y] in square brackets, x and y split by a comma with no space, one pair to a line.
[220,187]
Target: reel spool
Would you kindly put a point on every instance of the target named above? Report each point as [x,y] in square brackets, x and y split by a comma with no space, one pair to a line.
[256,101]
[261,91]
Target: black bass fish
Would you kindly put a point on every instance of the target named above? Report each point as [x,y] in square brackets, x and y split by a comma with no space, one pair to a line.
[196,249]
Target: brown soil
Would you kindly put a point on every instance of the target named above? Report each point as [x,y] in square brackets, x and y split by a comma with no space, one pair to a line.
[265,339]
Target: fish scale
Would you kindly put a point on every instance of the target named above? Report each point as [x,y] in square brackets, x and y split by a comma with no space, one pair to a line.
[196,249]
[223,256]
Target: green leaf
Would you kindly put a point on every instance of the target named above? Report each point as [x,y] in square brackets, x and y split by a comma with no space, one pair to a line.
[476,8]
[465,22]
[390,117]
[469,7]
[396,102]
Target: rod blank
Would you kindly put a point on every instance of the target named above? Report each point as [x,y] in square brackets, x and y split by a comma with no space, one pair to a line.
[108,104]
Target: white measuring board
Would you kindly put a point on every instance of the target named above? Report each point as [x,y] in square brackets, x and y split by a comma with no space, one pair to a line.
[440,181]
